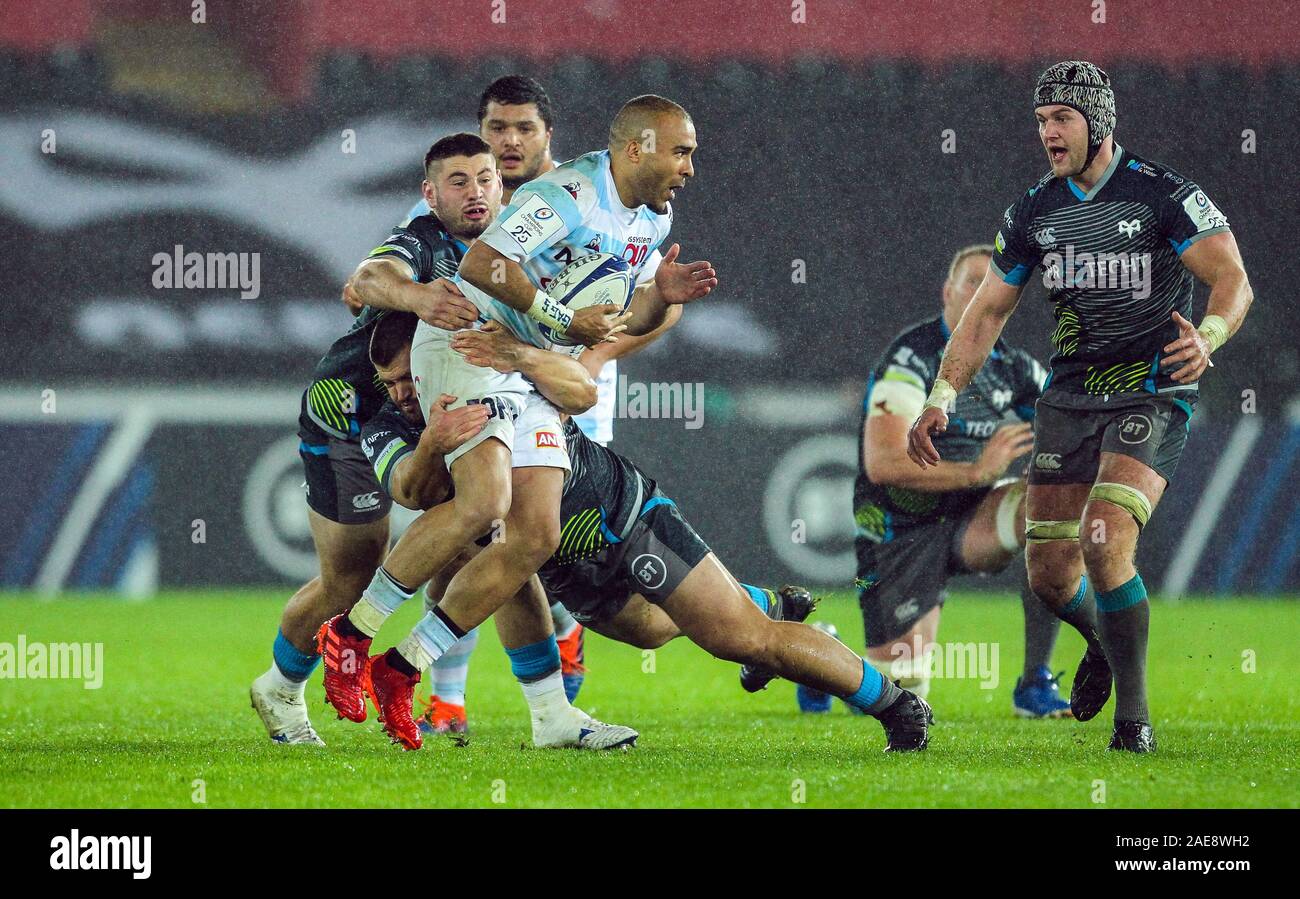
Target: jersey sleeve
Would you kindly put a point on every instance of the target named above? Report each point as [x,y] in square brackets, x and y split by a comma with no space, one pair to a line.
[1014,255]
[899,385]
[1187,214]
[407,247]
[385,439]
[540,215]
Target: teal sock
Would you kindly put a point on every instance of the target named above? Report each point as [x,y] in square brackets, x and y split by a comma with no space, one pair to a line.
[1124,622]
[761,598]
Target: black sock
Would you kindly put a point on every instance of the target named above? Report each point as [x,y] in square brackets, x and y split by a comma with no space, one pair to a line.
[889,694]
[1124,620]
[1041,628]
[348,629]
[398,662]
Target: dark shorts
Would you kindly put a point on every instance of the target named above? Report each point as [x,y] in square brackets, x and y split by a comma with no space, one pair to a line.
[341,484]
[902,579]
[659,552]
[1072,430]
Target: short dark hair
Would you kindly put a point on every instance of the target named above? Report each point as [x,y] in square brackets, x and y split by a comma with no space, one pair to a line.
[460,144]
[517,90]
[392,332]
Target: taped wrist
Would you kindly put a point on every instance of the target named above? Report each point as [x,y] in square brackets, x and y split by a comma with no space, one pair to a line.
[941,395]
[1215,330]
[550,313]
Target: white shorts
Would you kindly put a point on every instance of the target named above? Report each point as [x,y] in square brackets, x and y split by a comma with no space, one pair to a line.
[519,417]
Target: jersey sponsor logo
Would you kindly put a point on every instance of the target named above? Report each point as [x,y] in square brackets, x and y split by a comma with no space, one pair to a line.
[1203,213]
[650,570]
[999,242]
[1046,237]
[548,440]
[1142,168]
[1174,178]
[1134,428]
[363,501]
[533,223]
[370,441]
[1047,461]
[1105,271]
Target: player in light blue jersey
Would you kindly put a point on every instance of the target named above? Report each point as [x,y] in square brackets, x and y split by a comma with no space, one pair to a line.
[508,478]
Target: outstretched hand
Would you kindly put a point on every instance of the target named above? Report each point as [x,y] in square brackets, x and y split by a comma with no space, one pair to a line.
[683,282]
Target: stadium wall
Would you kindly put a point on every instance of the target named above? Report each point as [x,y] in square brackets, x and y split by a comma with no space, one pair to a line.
[131,490]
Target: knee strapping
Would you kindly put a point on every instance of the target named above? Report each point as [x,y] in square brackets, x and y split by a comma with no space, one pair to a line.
[1048,531]
[1130,499]
[1006,515]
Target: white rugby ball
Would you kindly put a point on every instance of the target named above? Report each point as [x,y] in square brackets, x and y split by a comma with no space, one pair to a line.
[595,280]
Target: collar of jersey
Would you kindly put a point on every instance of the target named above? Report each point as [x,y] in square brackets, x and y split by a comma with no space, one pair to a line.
[1101,182]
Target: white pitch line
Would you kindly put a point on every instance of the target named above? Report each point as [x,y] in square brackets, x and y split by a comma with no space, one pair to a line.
[1206,517]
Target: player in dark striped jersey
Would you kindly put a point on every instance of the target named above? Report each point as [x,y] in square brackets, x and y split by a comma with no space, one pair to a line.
[632,568]
[347,508]
[1118,238]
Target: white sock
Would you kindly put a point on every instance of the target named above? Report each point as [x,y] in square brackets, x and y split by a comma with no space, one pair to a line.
[380,599]
[546,699]
[285,684]
[450,672]
[564,622]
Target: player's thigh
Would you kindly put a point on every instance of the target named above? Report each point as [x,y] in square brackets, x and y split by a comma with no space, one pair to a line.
[483,483]
[639,623]
[535,510]
[713,611]
[349,554]
[995,528]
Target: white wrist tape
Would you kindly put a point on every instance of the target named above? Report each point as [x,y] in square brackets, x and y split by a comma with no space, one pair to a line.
[550,313]
[941,395]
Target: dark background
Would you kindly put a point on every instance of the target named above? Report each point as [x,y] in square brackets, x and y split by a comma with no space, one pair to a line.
[820,141]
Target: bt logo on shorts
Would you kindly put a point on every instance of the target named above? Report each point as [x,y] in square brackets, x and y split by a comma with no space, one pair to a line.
[650,570]
[1047,461]
[1134,428]
[363,501]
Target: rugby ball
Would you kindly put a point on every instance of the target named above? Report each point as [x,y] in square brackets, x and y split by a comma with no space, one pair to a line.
[594,280]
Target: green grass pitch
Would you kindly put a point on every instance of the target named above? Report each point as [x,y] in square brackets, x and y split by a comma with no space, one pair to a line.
[172,724]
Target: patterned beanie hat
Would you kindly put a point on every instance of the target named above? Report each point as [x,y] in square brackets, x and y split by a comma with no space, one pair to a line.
[1084,87]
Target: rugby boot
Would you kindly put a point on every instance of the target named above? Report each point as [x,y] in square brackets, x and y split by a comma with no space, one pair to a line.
[345,660]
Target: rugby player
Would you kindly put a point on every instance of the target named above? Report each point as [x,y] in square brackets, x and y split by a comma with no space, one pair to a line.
[916,529]
[516,118]
[615,200]
[1119,238]
[347,508]
[630,567]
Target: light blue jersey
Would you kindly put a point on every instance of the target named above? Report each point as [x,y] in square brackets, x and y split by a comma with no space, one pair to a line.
[571,211]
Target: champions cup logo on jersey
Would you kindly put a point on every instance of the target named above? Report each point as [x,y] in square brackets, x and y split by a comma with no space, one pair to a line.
[1109,271]
[53,661]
